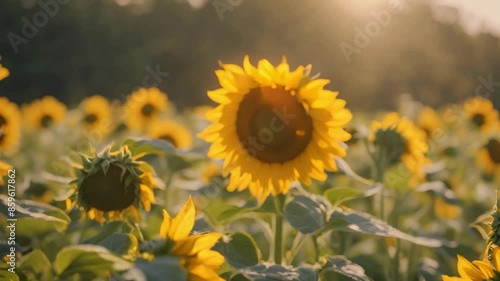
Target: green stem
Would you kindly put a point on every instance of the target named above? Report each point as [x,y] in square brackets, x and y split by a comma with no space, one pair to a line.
[316,247]
[395,264]
[279,202]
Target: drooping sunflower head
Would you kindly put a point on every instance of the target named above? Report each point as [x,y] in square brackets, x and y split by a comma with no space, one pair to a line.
[172,132]
[194,250]
[142,106]
[489,156]
[482,114]
[478,270]
[43,113]
[397,139]
[274,126]
[429,121]
[96,115]
[4,72]
[112,185]
[10,125]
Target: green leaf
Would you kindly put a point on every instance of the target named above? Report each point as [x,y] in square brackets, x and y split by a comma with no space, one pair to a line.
[339,195]
[439,189]
[344,167]
[87,258]
[36,262]
[6,275]
[239,249]
[121,244]
[358,222]
[161,268]
[342,265]
[306,214]
[35,219]
[220,212]
[108,229]
[274,272]
[149,146]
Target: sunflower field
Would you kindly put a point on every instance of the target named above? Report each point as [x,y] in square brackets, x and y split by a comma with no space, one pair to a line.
[277,179]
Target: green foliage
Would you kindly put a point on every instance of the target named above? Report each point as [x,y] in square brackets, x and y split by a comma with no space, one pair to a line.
[358,222]
[87,259]
[306,214]
[35,219]
[240,250]
[342,265]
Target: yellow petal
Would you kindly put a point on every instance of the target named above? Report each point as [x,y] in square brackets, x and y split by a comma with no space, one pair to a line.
[183,222]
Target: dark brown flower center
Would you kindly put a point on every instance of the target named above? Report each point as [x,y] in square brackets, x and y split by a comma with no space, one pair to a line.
[478,119]
[493,148]
[46,121]
[148,110]
[3,122]
[170,139]
[273,125]
[90,118]
[108,192]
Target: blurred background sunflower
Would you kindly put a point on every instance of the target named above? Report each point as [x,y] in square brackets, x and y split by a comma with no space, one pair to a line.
[43,113]
[10,125]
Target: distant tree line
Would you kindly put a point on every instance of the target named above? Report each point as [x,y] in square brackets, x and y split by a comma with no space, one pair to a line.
[74,48]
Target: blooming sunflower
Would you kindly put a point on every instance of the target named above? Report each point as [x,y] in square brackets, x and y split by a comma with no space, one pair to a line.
[10,127]
[144,105]
[4,72]
[481,113]
[96,115]
[44,113]
[172,132]
[274,126]
[478,270]
[112,185]
[429,121]
[489,156]
[195,252]
[397,139]
[4,171]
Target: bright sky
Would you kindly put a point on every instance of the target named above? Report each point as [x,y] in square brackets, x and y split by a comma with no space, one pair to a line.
[477,15]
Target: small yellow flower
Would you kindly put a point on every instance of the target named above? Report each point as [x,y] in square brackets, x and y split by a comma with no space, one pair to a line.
[194,250]
[10,125]
[43,113]
[142,106]
[4,72]
[429,121]
[210,171]
[489,156]
[274,126]
[4,171]
[96,115]
[482,114]
[113,185]
[172,132]
[446,210]
[478,270]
